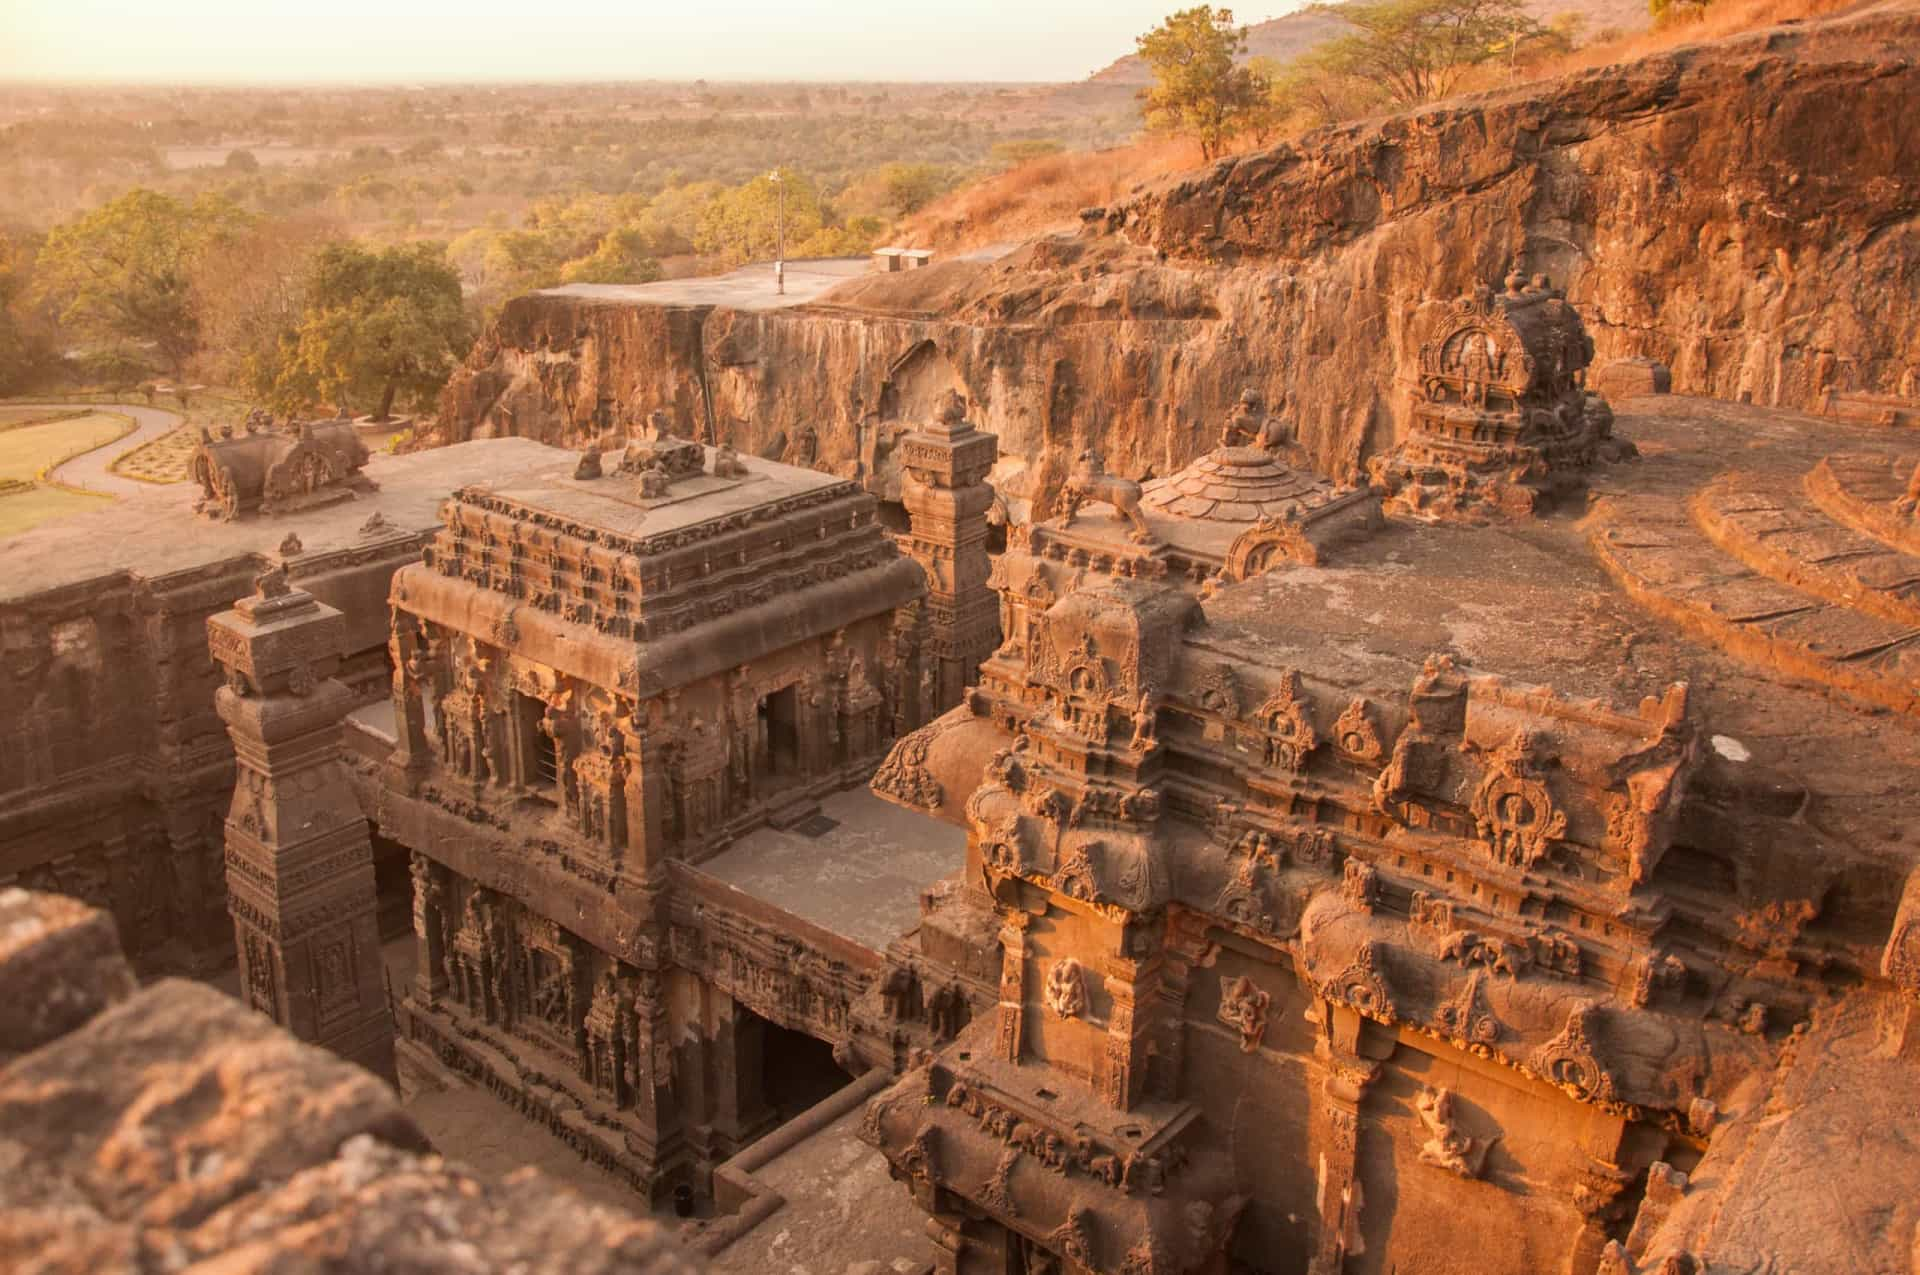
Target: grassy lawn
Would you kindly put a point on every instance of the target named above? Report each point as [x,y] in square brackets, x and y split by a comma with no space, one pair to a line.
[28,449]
[31,508]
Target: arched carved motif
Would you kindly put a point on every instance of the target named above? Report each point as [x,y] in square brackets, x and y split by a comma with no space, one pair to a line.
[1360,987]
[1266,545]
[1355,734]
[904,775]
[1285,722]
[1569,1060]
[1513,808]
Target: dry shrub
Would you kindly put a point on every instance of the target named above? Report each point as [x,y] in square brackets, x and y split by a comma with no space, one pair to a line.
[1047,194]
[1722,18]
[1043,194]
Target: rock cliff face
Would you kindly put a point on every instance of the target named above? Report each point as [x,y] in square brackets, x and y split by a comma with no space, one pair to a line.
[1743,211]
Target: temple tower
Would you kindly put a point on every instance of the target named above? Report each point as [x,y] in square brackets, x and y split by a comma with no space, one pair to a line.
[947,498]
[300,880]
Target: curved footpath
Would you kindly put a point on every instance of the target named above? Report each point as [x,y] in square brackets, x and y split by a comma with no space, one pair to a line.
[88,471]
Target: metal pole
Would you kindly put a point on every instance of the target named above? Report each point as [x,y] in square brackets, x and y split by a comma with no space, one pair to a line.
[780,231]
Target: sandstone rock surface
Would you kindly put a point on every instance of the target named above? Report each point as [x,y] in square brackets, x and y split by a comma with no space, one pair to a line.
[178,1130]
[1699,207]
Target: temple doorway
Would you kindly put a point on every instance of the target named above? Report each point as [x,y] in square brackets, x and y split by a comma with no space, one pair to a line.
[796,1070]
[780,733]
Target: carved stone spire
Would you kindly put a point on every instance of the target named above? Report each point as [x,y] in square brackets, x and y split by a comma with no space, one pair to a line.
[300,882]
[947,498]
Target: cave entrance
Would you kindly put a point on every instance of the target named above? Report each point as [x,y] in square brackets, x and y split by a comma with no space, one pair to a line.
[795,1070]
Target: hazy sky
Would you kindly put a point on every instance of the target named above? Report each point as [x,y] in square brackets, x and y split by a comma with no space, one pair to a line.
[254,41]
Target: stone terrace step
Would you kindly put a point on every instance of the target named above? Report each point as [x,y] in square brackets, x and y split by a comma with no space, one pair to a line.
[1783,535]
[1861,489]
[1664,561]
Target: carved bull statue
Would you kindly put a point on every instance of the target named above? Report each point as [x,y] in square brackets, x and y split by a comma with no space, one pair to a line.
[1091,481]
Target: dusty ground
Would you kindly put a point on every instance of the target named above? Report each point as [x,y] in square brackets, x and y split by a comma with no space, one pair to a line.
[843,1216]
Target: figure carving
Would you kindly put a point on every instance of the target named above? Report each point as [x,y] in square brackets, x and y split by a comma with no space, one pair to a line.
[1243,1007]
[1090,480]
[1065,990]
[1446,1146]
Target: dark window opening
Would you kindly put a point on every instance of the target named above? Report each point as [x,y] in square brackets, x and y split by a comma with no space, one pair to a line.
[539,751]
[797,1071]
[780,731]
[894,517]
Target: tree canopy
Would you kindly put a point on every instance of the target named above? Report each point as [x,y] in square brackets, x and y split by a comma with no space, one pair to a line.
[1198,88]
[123,272]
[1413,51]
[378,328]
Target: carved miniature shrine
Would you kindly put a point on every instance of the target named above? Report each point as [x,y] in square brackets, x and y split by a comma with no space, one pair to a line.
[275,472]
[1502,421]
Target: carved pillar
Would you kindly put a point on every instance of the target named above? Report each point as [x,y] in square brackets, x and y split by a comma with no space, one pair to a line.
[648,794]
[300,882]
[947,499]
[412,674]
[1013,986]
[429,928]
[1130,1024]
[1337,1133]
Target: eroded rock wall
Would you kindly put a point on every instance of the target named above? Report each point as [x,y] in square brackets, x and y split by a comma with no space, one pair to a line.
[1715,207]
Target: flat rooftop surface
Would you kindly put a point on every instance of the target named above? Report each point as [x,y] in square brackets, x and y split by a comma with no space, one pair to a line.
[750,287]
[156,532]
[860,879]
[613,501]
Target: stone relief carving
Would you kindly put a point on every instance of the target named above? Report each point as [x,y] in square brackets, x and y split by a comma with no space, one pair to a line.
[1286,723]
[1447,1146]
[1513,808]
[1065,989]
[1355,734]
[1243,1007]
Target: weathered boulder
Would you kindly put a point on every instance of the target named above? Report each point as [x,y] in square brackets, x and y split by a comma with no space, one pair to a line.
[1631,377]
[1698,206]
[171,1128]
[60,964]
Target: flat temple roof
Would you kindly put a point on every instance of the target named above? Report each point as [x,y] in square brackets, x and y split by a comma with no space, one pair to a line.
[860,879]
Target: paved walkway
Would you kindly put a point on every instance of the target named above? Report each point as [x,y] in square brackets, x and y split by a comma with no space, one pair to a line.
[88,471]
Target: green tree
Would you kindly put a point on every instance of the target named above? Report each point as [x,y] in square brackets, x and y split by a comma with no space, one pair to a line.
[123,272]
[1198,89]
[911,187]
[26,346]
[1414,51]
[378,328]
[621,257]
[744,223]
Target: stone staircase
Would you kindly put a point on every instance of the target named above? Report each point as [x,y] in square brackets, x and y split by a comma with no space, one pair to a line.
[1818,580]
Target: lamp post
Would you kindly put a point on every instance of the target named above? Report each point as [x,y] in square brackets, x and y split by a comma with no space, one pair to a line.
[780,232]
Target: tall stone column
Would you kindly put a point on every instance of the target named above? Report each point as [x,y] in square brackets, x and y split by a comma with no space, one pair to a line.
[299,861]
[947,499]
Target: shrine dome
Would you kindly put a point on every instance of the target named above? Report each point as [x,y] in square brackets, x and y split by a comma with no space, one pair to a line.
[1236,484]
